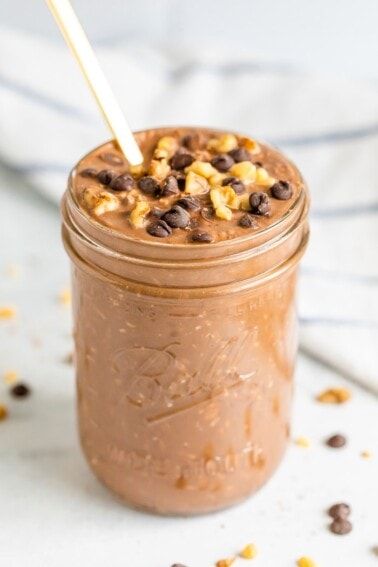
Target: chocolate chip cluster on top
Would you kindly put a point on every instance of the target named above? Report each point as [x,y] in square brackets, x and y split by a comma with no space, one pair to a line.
[195,186]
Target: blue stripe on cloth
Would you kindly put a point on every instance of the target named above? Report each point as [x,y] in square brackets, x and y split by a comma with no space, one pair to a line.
[42,168]
[43,100]
[366,209]
[328,321]
[364,279]
[331,137]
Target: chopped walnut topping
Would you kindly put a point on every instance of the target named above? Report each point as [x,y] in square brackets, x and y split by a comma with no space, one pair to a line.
[139,213]
[195,184]
[366,454]
[245,170]
[334,396]
[65,296]
[225,562]
[302,442]
[223,212]
[3,412]
[224,196]
[217,178]
[263,178]
[249,552]
[168,144]
[306,562]
[7,313]
[159,168]
[251,145]
[100,203]
[11,377]
[203,168]
[223,144]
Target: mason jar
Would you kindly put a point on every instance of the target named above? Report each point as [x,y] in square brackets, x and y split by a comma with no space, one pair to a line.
[184,359]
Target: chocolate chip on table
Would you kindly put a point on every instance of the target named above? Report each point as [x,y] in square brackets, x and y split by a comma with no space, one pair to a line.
[148,185]
[282,190]
[336,441]
[123,182]
[159,228]
[236,183]
[259,203]
[90,172]
[178,565]
[20,390]
[177,217]
[201,236]
[106,176]
[111,159]
[240,154]
[182,158]
[340,526]
[189,203]
[222,162]
[170,186]
[340,510]
[247,221]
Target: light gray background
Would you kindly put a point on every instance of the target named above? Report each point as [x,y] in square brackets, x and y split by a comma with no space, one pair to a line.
[333,36]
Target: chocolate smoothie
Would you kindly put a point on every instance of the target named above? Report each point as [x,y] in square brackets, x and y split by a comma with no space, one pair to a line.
[184,279]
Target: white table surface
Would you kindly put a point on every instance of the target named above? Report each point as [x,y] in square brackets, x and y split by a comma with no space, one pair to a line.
[54,513]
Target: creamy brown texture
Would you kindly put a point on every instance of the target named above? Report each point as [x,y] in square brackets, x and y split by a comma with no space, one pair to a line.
[277,165]
[184,354]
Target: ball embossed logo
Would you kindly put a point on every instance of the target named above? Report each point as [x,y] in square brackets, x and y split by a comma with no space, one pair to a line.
[163,381]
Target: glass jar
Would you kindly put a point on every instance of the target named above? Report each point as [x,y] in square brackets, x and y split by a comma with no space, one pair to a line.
[185,357]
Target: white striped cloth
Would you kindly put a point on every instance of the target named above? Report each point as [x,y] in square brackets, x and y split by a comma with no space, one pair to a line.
[328,127]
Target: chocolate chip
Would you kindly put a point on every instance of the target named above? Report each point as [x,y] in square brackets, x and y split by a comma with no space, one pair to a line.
[122,182]
[193,224]
[170,187]
[189,203]
[340,526]
[240,154]
[106,176]
[222,162]
[181,159]
[177,217]
[194,141]
[156,212]
[336,441]
[148,185]
[178,565]
[247,221]
[260,203]
[258,164]
[201,236]
[20,391]
[159,229]
[208,214]
[282,190]
[340,510]
[89,172]
[237,184]
[111,159]
[181,178]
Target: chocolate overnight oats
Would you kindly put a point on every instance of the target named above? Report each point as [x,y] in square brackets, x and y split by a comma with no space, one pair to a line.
[184,282]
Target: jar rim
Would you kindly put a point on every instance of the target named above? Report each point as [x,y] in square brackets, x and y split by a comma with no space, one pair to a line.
[120,242]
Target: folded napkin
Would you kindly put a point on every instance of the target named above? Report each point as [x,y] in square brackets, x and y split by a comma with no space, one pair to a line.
[328,127]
